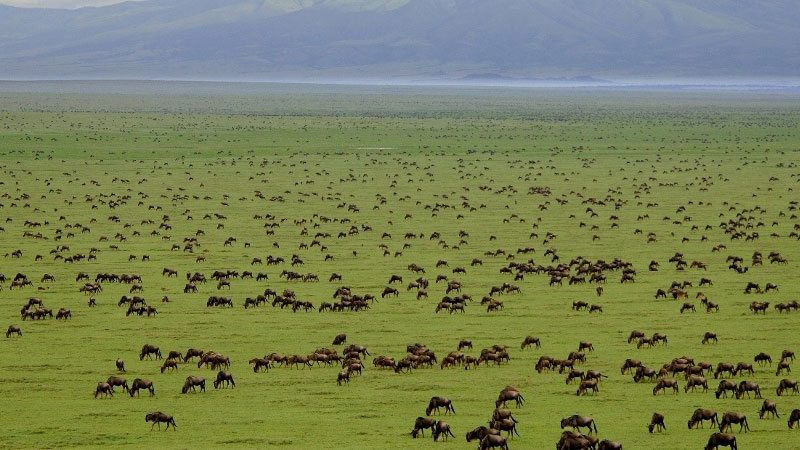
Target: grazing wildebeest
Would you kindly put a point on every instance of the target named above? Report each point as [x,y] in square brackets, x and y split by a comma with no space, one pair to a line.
[656,423]
[464,343]
[117,381]
[783,365]
[530,340]
[635,334]
[708,337]
[630,364]
[148,350]
[139,383]
[479,433]
[507,425]
[104,389]
[695,381]
[762,358]
[191,353]
[665,384]
[794,417]
[169,364]
[493,441]
[13,329]
[768,407]
[724,387]
[159,417]
[785,384]
[420,424]
[441,429]
[745,387]
[700,415]
[587,385]
[224,377]
[192,383]
[605,444]
[439,402]
[731,418]
[723,439]
[509,395]
[576,422]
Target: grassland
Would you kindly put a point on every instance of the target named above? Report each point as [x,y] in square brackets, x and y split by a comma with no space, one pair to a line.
[714,154]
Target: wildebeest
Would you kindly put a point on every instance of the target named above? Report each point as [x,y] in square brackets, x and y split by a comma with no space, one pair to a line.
[479,433]
[104,389]
[493,441]
[439,402]
[13,329]
[708,337]
[192,383]
[665,384]
[507,395]
[148,350]
[700,415]
[768,407]
[139,383]
[422,423]
[120,365]
[785,384]
[656,423]
[794,417]
[577,422]
[224,377]
[724,387]
[530,340]
[731,418]
[745,387]
[159,417]
[441,429]
[723,439]
[117,381]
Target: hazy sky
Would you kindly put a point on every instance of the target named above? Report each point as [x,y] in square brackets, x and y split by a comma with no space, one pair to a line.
[58,3]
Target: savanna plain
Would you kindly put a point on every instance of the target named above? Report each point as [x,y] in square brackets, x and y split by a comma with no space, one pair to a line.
[542,190]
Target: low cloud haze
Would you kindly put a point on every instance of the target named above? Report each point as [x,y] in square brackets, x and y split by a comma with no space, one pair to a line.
[498,41]
[61,4]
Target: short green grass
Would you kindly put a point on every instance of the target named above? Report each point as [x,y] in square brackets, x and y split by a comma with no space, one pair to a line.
[715,156]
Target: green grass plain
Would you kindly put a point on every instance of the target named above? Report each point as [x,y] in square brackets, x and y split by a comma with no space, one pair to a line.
[715,154]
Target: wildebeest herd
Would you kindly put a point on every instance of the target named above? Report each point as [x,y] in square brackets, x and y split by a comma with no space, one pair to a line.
[364,278]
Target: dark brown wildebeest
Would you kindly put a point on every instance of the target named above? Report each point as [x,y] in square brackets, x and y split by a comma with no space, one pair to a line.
[500,414]
[635,334]
[530,340]
[786,384]
[700,415]
[759,307]
[389,291]
[587,385]
[13,329]
[159,417]
[507,425]
[724,387]
[724,367]
[731,418]
[782,365]
[169,364]
[723,439]
[176,355]
[104,389]
[688,307]
[644,372]
[148,350]
[630,364]
[743,367]
[695,381]
[794,417]
[665,384]
[787,354]
[192,383]
[708,337]
[762,359]
[224,377]
[585,345]
[491,441]
[464,343]
[579,305]
[420,424]
[508,395]
[343,376]
[191,353]
[745,387]
[479,433]
[117,381]
[120,365]
[139,383]
[439,402]
[656,423]
[768,407]
[258,363]
[605,444]
[577,422]
[441,429]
